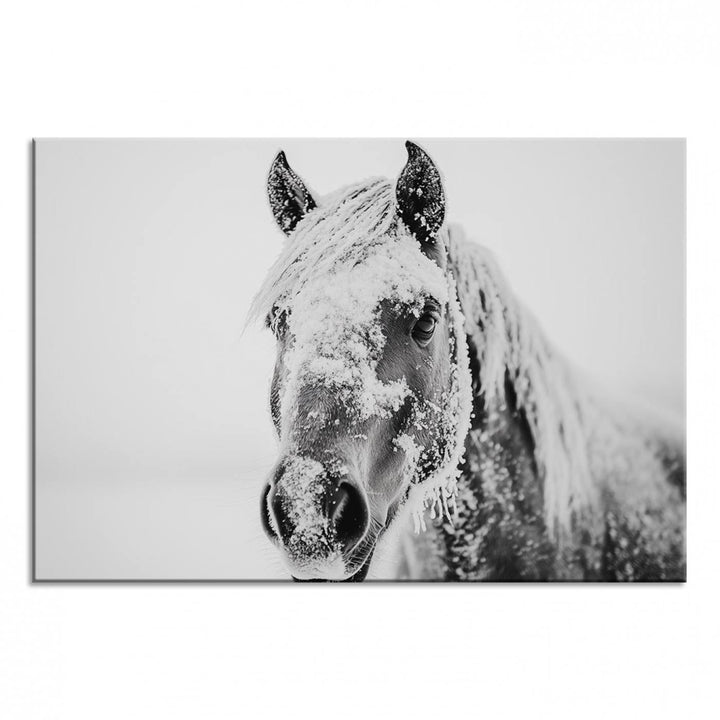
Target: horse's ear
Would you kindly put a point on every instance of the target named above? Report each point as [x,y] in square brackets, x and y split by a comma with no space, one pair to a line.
[420,196]
[289,199]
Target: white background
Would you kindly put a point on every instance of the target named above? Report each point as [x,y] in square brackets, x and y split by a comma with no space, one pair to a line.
[313,69]
[153,433]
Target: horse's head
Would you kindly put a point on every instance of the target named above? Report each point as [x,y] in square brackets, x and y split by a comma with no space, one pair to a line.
[367,396]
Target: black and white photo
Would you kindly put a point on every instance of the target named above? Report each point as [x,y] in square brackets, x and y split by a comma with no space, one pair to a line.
[255,363]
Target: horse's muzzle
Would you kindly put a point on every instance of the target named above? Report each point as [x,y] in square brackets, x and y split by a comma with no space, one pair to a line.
[331,519]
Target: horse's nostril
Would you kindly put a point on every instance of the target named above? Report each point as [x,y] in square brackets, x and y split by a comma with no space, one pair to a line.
[348,513]
[265,511]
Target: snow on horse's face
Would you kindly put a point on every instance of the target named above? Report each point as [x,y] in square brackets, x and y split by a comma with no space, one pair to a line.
[363,395]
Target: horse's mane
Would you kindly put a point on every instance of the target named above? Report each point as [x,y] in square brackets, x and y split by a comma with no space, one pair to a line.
[508,340]
[510,345]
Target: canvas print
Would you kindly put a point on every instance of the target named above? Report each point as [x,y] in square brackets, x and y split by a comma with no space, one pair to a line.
[252,362]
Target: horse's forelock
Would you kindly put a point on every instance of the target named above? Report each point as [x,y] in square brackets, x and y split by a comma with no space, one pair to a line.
[340,232]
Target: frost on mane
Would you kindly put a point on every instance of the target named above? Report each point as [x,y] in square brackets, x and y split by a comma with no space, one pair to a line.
[578,435]
[509,342]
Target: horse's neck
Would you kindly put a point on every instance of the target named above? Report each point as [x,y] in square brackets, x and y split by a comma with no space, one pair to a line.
[498,529]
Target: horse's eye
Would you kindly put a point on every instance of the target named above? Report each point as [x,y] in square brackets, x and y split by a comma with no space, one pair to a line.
[424,328]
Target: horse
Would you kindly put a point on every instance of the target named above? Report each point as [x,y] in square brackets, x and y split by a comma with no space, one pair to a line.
[427,428]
